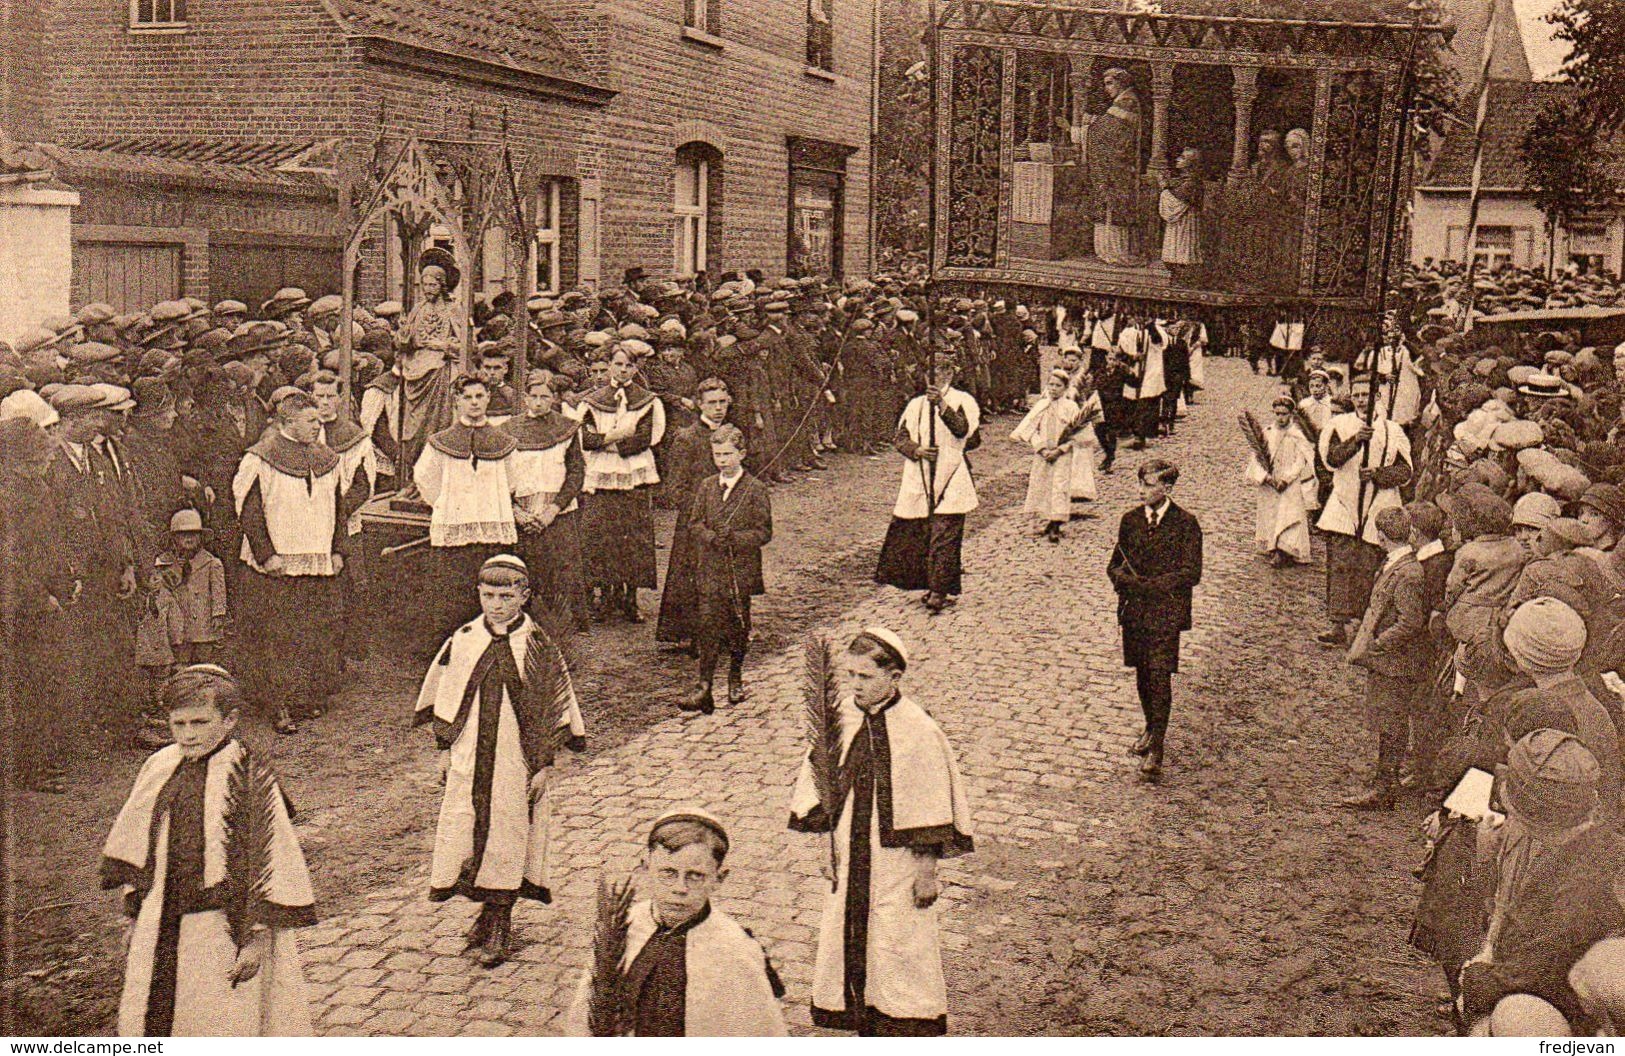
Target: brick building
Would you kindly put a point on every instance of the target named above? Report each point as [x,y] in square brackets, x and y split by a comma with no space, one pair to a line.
[212,140]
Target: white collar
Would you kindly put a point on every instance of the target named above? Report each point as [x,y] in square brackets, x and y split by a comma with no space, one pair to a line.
[729,482]
[1159,511]
[1430,549]
[1396,556]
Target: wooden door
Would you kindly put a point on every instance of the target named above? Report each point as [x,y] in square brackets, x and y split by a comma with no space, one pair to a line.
[130,276]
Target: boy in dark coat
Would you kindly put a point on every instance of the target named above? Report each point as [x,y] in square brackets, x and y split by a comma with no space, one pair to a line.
[688,462]
[730,520]
[1392,646]
[1153,568]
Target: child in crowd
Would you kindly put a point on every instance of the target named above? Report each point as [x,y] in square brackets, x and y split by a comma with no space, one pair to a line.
[209,953]
[689,970]
[201,591]
[1048,430]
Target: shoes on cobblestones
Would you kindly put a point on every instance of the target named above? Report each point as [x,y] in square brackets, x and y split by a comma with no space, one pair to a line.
[1379,798]
[1142,745]
[700,700]
[495,950]
[479,932]
[1151,765]
[935,602]
[736,686]
[1332,638]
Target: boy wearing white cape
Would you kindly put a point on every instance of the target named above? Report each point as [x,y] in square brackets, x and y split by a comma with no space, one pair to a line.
[690,970]
[1050,429]
[1282,528]
[213,879]
[903,807]
[501,701]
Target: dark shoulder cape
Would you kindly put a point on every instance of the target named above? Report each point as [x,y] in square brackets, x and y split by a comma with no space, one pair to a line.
[539,434]
[343,434]
[473,441]
[296,460]
[603,399]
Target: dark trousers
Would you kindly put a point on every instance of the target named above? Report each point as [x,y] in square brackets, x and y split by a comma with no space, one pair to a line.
[289,637]
[724,622]
[1388,704]
[1156,686]
[1146,417]
[1112,424]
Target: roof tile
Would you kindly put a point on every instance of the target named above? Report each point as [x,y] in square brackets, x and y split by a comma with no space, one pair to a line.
[1513,106]
[511,33]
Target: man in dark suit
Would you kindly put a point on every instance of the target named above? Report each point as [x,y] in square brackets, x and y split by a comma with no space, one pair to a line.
[1155,565]
[731,519]
[1391,645]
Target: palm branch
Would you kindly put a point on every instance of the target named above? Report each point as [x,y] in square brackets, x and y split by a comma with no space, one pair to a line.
[250,818]
[606,1010]
[547,679]
[1255,440]
[1306,424]
[822,712]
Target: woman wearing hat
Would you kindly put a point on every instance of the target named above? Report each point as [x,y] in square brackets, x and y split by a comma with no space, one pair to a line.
[1552,888]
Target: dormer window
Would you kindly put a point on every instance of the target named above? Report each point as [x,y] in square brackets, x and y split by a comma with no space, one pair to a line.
[157,14]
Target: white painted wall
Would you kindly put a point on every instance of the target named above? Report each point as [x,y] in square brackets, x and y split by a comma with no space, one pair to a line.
[1439,224]
[36,255]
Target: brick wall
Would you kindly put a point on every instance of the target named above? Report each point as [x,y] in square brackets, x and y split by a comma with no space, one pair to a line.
[246,69]
[756,91]
[442,107]
[24,70]
[249,70]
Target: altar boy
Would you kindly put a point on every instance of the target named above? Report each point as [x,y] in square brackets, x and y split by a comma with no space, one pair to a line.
[689,969]
[902,807]
[209,952]
[497,730]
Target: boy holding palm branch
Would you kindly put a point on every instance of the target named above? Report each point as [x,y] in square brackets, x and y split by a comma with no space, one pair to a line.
[502,703]
[212,877]
[880,776]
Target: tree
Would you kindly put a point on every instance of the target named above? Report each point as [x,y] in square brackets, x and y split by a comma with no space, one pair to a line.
[1594,30]
[1563,168]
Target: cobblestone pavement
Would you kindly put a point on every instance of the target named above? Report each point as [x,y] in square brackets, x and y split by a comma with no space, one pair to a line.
[1231,900]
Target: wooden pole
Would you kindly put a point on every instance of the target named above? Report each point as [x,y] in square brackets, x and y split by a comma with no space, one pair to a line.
[1407,90]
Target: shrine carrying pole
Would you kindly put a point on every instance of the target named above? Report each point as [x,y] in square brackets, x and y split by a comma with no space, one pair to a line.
[928,353]
[1396,180]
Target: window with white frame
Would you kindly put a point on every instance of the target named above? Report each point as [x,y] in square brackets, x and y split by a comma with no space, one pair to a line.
[544,252]
[700,15]
[691,211]
[1588,247]
[157,14]
[1492,246]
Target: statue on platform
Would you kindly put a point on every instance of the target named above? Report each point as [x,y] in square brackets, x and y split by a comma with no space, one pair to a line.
[429,345]
[1112,154]
[1180,206]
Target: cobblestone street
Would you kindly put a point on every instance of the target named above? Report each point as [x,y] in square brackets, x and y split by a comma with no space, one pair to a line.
[1231,900]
